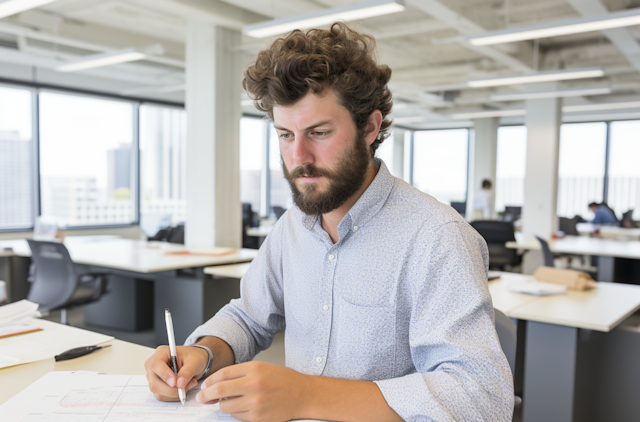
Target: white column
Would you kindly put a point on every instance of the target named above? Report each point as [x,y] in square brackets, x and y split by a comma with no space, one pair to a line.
[483,147]
[213,83]
[397,167]
[539,211]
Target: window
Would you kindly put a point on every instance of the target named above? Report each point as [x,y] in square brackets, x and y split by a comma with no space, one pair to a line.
[510,166]
[87,160]
[581,167]
[280,190]
[623,190]
[385,151]
[16,171]
[440,163]
[252,142]
[163,164]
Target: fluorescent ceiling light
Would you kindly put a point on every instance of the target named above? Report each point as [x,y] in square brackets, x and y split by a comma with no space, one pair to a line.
[578,92]
[564,27]
[411,119]
[162,89]
[356,11]
[603,106]
[591,72]
[102,59]
[489,113]
[11,7]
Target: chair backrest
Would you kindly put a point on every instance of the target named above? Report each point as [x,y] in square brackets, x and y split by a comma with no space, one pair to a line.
[495,231]
[627,219]
[177,234]
[516,211]
[461,207]
[55,279]
[546,252]
[278,211]
[507,334]
[569,226]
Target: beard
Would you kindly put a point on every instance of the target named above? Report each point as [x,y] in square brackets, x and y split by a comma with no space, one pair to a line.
[343,182]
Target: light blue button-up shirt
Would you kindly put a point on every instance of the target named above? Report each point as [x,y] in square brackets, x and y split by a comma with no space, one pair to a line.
[401,299]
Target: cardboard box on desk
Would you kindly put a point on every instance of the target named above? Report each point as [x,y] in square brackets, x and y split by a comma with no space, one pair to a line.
[575,280]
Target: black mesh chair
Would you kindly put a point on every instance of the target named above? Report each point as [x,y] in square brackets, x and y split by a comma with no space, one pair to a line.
[461,207]
[56,284]
[569,226]
[627,219]
[546,252]
[497,234]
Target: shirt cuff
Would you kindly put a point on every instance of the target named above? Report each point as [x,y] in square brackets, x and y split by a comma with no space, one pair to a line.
[229,331]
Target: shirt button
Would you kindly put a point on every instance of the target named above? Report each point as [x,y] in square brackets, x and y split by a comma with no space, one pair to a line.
[331,257]
[325,307]
[355,228]
[318,360]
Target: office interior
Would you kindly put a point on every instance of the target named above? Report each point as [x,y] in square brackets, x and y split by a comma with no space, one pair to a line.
[159,144]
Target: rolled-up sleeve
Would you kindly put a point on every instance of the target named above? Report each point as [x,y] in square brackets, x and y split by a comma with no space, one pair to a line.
[462,373]
[248,324]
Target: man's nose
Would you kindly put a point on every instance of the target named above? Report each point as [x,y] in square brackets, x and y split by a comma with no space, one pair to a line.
[301,152]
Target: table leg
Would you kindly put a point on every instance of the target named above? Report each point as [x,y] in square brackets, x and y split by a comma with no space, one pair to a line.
[606,266]
[549,373]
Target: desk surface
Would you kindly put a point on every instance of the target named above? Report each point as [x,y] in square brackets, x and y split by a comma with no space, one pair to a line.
[600,309]
[121,358]
[231,271]
[135,255]
[583,245]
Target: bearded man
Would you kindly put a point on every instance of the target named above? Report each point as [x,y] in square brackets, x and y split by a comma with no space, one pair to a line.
[381,289]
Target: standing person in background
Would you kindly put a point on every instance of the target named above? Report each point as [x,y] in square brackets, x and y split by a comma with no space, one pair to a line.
[483,202]
[603,215]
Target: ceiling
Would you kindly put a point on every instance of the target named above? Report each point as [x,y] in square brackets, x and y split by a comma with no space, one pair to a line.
[424,46]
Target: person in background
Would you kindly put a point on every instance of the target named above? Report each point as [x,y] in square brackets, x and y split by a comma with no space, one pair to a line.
[483,202]
[603,215]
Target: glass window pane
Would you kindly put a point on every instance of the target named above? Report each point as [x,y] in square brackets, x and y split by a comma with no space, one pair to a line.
[16,170]
[581,167]
[624,168]
[162,165]
[252,140]
[280,191]
[510,166]
[385,151]
[86,160]
[440,163]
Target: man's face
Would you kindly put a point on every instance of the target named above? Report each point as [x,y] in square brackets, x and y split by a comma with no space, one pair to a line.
[324,159]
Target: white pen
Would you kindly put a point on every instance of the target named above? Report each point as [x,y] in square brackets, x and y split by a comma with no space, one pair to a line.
[172,348]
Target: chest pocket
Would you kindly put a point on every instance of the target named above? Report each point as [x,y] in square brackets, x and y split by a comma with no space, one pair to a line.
[367,287]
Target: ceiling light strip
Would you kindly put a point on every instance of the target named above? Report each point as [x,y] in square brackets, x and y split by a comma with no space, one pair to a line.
[553,29]
[100,60]
[11,7]
[565,109]
[563,93]
[592,72]
[356,11]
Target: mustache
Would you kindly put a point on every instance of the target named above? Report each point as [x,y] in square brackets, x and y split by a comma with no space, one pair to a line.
[309,170]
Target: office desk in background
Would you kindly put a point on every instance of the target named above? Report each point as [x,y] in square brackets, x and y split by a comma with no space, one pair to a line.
[563,357]
[139,270]
[607,250]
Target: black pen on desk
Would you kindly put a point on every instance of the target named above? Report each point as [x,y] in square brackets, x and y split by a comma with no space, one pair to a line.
[172,348]
[77,352]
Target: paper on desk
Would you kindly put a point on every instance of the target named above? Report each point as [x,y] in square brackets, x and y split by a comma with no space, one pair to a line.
[538,288]
[18,311]
[52,340]
[94,397]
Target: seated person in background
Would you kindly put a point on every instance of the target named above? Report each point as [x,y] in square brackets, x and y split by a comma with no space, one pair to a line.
[483,202]
[603,215]
[381,289]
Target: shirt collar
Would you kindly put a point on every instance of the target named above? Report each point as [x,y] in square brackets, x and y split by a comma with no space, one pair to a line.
[368,205]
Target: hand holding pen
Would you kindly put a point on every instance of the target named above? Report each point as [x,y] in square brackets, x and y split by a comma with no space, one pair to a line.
[172,348]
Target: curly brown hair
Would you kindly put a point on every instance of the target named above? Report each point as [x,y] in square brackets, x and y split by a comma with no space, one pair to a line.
[337,58]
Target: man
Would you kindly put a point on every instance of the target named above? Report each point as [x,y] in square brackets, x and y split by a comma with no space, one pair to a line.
[603,215]
[381,289]
[483,202]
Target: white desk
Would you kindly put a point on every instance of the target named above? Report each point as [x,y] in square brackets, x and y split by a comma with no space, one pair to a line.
[140,270]
[230,271]
[121,358]
[552,338]
[609,232]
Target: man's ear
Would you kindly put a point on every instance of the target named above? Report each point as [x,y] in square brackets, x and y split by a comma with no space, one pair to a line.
[373,127]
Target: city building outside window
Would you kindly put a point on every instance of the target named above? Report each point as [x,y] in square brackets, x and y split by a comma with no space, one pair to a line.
[87,165]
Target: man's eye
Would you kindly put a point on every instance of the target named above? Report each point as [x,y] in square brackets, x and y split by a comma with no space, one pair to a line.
[321,133]
[286,136]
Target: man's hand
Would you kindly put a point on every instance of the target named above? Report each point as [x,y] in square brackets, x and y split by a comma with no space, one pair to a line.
[257,391]
[163,383]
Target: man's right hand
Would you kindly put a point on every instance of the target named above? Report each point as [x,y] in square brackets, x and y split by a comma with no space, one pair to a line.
[163,383]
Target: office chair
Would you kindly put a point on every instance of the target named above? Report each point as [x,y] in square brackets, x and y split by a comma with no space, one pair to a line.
[461,207]
[569,226]
[546,252]
[249,219]
[627,219]
[497,234]
[513,211]
[56,284]
[278,211]
[170,234]
[507,335]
